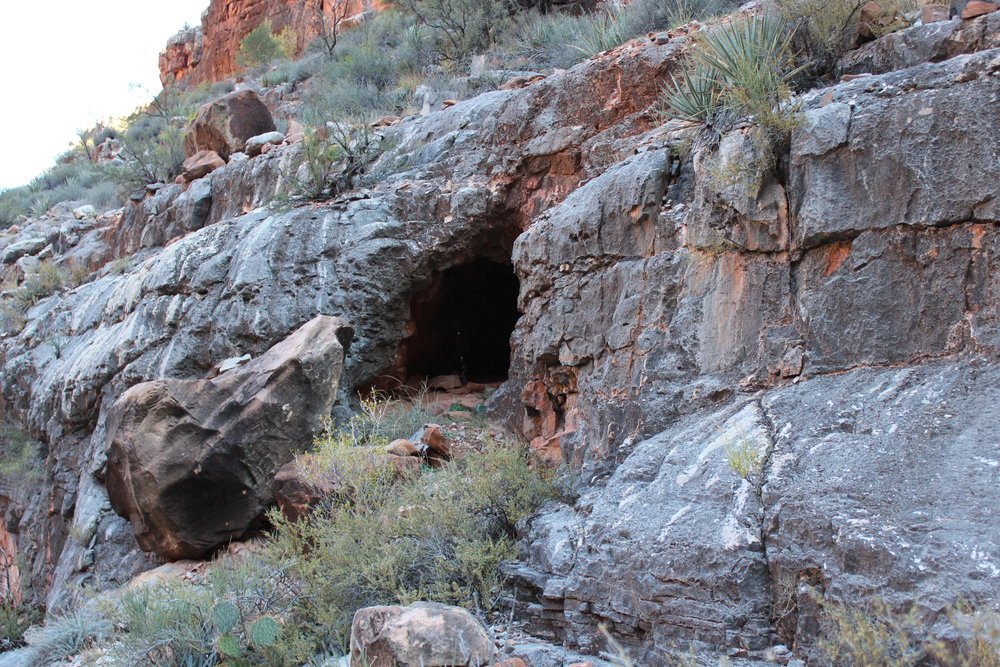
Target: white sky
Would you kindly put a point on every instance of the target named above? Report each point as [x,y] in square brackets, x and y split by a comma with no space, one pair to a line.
[67,63]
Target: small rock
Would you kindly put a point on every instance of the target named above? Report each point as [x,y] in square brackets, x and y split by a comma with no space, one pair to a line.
[518,82]
[387,121]
[295,138]
[475,387]
[229,364]
[256,143]
[85,211]
[402,447]
[267,148]
[444,382]
[423,633]
[434,441]
[581,664]
[436,409]
[202,164]
[975,8]
[934,13]
[448,103]
[661,38]
[28,265]
[510,662]
[851,77]
[459,415]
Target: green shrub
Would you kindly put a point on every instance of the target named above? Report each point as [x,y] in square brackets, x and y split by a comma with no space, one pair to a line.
[153,140]
[744,458]
[739,72]
[748,62]
[332,160]
[18,457]
[15,619]
[395,539]
[463,27]
[72,179]
[826,29]
[260,47]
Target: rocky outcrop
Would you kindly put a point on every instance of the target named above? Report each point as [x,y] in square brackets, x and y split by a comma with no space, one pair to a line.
[224,125]
[179,447]
[465,182]
[674,304]
[208,53]
[422,634]
[181,55]
[835,320]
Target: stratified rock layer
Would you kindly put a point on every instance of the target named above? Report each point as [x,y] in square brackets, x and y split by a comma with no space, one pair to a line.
[190,462]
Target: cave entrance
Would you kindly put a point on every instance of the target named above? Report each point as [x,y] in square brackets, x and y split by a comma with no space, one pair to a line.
[461,324]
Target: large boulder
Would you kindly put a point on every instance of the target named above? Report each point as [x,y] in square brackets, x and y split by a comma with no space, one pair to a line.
[424,634]
[190,462]
[224,125]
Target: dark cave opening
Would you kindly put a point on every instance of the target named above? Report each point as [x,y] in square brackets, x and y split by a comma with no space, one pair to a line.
[462,323]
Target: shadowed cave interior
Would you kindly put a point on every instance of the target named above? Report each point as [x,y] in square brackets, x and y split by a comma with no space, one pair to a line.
[461,324]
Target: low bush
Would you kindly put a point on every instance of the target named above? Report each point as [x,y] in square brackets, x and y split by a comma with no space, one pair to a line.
[331,160]
[826,29]
[15,619]
[739,73]
[66,635]
[463,27]
[874,634]
[18,456]
[395,539]
[153,139]
[73,179]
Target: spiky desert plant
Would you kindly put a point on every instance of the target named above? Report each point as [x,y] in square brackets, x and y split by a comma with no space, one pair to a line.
[742,67]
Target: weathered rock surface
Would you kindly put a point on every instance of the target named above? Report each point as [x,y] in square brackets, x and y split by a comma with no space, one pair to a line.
[224,124]
[831,318]
[190,462]
[181,55]
[423,634]
[874,480]
[201,164]
[933,42]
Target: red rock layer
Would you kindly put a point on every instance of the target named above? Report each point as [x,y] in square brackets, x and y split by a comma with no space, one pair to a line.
[207,55]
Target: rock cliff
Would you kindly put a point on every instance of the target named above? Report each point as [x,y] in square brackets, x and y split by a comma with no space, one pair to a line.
[207,53]
[840,320]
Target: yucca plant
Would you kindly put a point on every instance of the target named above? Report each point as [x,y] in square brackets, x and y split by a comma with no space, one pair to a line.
[694,97]
[742,67]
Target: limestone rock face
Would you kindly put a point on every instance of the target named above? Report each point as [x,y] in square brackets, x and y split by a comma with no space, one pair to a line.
[190,462]
[878,479]
[423,634]
[840,317]
[224,125]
